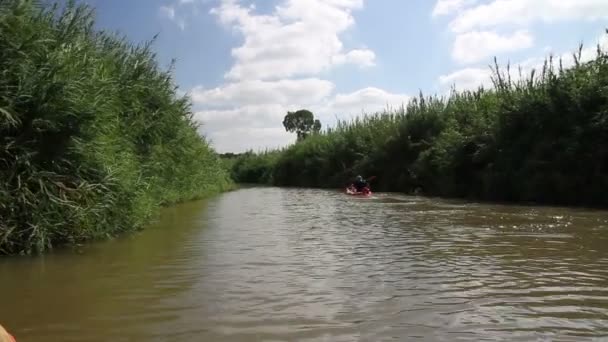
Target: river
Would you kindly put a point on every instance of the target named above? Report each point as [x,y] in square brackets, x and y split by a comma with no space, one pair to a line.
[271,264]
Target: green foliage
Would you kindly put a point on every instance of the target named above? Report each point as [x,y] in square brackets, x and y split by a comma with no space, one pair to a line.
[252,167]
[542,138]
[302,122]
[92,136]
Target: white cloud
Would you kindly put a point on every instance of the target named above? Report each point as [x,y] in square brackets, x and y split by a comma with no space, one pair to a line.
[588,53]
[249,92]
[258,124]
[520,12]
[248,114]
[168,11]
[236,107]
[246,127]
[256,116]
[467,79]
[301,37]
[474,46]
[363,58]
[477,23]
[367,100]
[242,139]
[445,7]
[276,70]
[181,10]
[472,78]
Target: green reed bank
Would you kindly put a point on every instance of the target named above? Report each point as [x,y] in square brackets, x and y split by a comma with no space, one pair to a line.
[93,136]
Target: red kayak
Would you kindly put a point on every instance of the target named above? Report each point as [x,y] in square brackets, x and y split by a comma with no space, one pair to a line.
[5,336]
[353,192]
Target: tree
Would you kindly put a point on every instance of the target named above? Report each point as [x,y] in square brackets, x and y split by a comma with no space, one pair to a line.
[302,122]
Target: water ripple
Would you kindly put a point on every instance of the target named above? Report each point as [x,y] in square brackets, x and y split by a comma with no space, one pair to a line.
[310,265]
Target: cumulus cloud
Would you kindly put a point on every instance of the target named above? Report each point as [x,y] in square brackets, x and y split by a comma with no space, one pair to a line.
[257,124]
[474,46]
[467,79]
[477,23]
[499,12]
[247,114]
[360,57]
[252,116]
[276,69]
[301,37]
[241,139]
[250,92]
[179,11]
[169,12]
[473,78]
[444,7]
[367,100]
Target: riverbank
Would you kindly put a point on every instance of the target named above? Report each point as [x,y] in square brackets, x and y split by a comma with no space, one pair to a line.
[538,139]
[94,135]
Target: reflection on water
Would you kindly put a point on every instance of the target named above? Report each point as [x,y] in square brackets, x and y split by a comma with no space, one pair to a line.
[268,264]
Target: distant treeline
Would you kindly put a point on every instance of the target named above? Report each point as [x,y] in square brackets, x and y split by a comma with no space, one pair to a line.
[543,138]
[93,138]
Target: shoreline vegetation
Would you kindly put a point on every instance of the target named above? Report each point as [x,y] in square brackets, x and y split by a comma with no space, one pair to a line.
[541,138]
[93,136]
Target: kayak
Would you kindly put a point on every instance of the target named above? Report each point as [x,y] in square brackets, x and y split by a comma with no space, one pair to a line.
[5,336]
[353,192]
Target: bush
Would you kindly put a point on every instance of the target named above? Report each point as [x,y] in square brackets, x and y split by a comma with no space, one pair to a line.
[254,168]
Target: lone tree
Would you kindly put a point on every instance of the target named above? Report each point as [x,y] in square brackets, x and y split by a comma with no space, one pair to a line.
[302,122]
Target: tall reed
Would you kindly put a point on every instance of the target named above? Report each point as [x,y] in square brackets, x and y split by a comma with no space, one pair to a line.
[93,138]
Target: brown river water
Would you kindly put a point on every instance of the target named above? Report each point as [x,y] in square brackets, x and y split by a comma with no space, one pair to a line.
[271,264]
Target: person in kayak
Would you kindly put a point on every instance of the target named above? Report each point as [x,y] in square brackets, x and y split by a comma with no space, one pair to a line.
[360,184]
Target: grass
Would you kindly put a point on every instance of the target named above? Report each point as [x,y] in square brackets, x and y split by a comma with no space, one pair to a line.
[93,138]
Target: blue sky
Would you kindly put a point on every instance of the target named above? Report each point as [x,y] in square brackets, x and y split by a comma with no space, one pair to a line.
[247,62]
